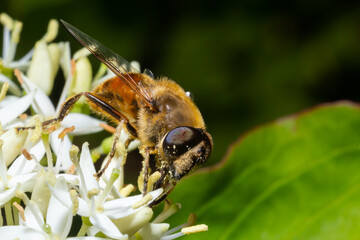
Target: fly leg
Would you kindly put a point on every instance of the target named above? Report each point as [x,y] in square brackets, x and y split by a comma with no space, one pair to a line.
[65,108]
[149,154]
[113,150]
[167,189]
[145,170]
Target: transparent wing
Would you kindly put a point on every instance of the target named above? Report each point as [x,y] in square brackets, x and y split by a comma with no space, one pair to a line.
[114,62]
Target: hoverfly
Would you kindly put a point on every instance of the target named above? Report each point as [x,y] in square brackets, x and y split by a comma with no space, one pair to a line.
[157,112]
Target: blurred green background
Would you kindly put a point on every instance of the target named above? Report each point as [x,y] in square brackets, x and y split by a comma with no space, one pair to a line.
[246,62]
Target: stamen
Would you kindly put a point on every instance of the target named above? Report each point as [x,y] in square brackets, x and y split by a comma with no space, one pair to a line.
[37,162]
[195,229]
[107,127]
[114,175]
[37,132]
[172,236]
[191,221]
[140,181]
[66,131]
[71,170]
[92,192]
[152,180]
[23,116]
[15,36]
[75,201]
[147,198]
[4,89]
[50,129]
[167,213]
[74,151]
[20,194]
[52,31]
[73,67]
[18,75]
[83,52]
[167,204]
[21,210]
[125,191]
[6,20]
[45,139]
[26,154]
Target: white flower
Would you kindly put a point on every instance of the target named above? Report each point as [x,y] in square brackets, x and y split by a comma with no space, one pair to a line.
[11,38]
[93,204]
[43,106]
[55,225]
[12,180]
[69,188]
[46,59]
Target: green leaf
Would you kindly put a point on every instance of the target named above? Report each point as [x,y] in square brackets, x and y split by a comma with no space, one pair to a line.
[295,178]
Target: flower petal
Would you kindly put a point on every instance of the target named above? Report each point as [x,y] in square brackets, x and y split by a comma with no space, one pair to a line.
[123,206]
[21,233]
[61,148]
[132,223]
[84,124]
[105,225]
[21,165]
[27,181]
[33,216]
[13,88]
[8,100]
[13,144]
[87,170]
[42,103]
[153,230]
[6,195]
[13,110]
[83,208]
[43,67]
[59,214]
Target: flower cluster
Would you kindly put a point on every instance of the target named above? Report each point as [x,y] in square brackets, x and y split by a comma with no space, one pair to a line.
[45,181]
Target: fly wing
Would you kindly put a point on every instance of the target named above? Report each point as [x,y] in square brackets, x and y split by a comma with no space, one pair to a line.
[114,62]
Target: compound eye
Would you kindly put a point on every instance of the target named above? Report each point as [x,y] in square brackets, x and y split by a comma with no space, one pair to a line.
[180,140]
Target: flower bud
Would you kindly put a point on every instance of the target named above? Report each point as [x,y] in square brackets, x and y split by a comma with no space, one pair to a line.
[13,144]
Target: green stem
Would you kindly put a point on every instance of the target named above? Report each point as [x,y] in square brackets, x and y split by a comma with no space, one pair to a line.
[82,230]
[8,214]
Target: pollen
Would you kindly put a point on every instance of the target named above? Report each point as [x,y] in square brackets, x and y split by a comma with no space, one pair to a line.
[153,179]
[93,192]
[52,30]
[26,154]
[21,210]
[15,36]
[17,74]
[75,201]
[125,191]
[36,134]
[4,89]
[71,169]
[66,131]
[6,20]
[23,116]
[147,198]
[195,229]
[107,128]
